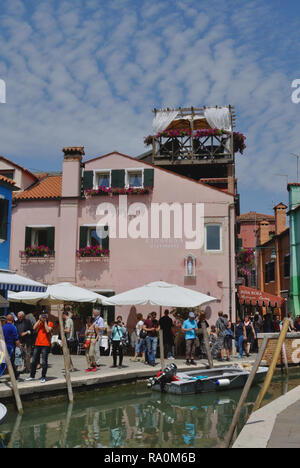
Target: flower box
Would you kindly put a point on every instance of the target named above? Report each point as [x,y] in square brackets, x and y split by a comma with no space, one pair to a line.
[110,191]
[92,252]
[40,251]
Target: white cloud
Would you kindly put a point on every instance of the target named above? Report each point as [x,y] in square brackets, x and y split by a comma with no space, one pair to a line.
[90,73]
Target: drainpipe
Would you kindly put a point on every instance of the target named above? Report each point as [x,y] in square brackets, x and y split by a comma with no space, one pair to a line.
[230,251]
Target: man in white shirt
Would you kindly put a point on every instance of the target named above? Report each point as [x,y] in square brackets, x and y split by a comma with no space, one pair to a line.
[99,323]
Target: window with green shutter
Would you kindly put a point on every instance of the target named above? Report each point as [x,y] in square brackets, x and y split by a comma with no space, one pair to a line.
[4,208]
[88,180]
[83,238]
[118,178]
[148,178]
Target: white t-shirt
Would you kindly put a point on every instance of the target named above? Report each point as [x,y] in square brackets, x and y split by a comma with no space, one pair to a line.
[139,327]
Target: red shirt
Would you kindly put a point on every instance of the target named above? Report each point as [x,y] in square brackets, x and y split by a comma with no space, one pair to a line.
[43,338]
[151,324]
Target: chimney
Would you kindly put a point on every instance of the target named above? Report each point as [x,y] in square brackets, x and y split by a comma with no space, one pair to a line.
[71,183]
[280,218]
[263,232]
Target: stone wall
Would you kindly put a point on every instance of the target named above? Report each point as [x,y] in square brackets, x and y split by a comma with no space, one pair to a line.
[292,345]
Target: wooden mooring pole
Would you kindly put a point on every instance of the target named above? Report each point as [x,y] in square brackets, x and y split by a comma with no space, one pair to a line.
[66,353]
[245,393]
[273,365]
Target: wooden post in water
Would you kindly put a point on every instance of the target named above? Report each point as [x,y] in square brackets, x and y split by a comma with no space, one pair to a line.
[272,368]
[206,343]
[66,355]
[245,393]
[11,372]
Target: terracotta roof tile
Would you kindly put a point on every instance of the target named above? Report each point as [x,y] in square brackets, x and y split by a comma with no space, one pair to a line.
[46,189]
[18,166]
[7,180]
[252,216]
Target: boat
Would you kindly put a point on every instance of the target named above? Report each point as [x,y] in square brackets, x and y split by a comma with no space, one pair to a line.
[209,380]
[3,413]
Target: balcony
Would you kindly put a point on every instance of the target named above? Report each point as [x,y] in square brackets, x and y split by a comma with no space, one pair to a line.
[195,136]
[199,150]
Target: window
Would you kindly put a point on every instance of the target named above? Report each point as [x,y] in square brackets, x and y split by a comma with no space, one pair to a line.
[4,208]
[135,179]
[269,272]
[40,236]
[287,266]
[103,179]
[90,236]
[10,174]
[93,239]
[253,278]
[213,237]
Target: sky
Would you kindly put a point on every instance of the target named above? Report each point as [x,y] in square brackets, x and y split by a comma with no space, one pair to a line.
[90,72]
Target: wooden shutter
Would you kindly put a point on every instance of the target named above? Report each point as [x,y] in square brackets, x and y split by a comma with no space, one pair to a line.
[118,178]
[88,180]
[28,236]
[4,208]
[51,238]
[148,178]
[105,241]
[83,237]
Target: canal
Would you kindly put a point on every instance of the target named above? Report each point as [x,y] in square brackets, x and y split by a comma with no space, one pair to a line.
[131,416]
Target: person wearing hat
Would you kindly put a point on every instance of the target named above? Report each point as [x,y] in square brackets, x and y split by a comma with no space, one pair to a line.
[189,327]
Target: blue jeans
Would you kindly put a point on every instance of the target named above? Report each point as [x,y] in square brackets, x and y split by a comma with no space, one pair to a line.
[151,342]
[139,347]
[239,344]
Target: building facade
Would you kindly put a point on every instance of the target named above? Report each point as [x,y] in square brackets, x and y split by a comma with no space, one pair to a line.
[7,186]
[273,252]
[68,214]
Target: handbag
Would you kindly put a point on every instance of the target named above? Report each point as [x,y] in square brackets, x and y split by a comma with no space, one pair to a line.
[87,344]
[143,334]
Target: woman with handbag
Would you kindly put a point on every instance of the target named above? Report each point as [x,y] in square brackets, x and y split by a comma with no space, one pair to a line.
[118,335]
[91,338]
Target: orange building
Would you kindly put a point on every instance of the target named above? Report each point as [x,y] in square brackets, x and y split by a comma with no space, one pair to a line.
[273,253]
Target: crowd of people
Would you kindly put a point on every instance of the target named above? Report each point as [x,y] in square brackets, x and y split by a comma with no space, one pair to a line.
[30,339]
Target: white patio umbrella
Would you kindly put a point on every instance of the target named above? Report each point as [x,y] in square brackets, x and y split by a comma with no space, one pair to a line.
[161,294]
[58,294]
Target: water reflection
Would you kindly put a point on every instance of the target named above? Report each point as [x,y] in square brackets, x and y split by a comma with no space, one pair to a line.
[130,417]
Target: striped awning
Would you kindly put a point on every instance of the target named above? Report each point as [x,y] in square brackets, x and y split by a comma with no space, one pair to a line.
[10,281]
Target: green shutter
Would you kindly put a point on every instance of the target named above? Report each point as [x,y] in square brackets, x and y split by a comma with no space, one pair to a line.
[4,207]
[148,178]
[88,180]
[28,236]
[118,178]
[83,237]
[105,241]
[50,238]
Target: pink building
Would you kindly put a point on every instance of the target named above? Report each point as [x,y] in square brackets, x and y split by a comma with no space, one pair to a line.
[62,212]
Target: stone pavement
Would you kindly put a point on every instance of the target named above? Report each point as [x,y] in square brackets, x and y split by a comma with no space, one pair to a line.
[105,375]
[276,425]
[286,432]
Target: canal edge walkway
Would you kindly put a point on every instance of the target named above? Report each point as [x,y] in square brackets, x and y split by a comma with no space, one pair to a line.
[276,425]
[105,376]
